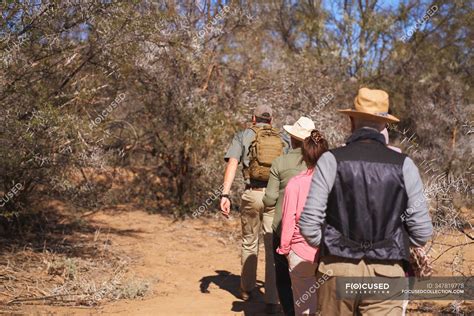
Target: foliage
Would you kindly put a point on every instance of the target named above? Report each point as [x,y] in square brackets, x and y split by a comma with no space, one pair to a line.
[191,73]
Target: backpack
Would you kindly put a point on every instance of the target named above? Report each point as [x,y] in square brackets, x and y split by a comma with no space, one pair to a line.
[266,146]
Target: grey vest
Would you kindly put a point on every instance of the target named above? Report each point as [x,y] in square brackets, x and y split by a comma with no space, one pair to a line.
[363,218]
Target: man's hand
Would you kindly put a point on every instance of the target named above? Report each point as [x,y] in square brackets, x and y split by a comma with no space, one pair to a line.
[225,206]
[229,176]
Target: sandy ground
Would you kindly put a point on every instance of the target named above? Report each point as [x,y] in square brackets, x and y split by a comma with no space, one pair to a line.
[193,267]
[193,279]
[186,277]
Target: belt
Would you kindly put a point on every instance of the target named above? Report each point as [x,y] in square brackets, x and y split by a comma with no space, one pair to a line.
[249,187]
[366,244]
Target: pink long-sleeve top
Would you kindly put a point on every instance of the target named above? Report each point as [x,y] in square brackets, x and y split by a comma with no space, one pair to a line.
[296,192]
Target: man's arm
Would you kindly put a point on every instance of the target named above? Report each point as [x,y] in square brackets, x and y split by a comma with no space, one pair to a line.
[229,175]
[232,157]
[417,216]
[314,211]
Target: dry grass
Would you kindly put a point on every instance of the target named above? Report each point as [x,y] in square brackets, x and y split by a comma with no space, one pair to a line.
[32,277]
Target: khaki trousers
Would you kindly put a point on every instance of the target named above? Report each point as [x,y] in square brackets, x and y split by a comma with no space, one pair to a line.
[255,220]
[328,305]
[303,284]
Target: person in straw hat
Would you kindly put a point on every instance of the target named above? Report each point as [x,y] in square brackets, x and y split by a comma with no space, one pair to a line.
[370,201]
[283,169]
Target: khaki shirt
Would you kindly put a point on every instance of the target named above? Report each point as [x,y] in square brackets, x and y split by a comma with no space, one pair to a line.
[239,149]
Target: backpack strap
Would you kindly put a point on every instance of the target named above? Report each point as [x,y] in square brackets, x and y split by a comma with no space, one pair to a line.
[255,128]
[258,128]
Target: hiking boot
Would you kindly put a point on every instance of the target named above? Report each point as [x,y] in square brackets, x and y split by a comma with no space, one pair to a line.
[272,309]
[245,296]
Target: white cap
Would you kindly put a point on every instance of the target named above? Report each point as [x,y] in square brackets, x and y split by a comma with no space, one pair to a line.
[301,129]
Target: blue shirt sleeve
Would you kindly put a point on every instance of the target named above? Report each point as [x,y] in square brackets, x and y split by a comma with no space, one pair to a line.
[236,148]
[314,211]
[417,216]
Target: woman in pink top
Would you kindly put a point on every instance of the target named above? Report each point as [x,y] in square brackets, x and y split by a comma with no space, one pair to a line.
[302,258]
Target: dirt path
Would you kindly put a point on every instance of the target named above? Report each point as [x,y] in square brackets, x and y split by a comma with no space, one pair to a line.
[192,266]
[185,277]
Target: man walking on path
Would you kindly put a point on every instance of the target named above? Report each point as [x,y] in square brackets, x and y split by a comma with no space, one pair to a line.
[283,169]
[255,148]
[369,199]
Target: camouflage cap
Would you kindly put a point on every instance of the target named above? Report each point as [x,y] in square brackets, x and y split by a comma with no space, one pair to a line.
[263,110]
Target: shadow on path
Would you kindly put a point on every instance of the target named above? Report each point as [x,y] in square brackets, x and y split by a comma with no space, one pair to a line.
[231,283]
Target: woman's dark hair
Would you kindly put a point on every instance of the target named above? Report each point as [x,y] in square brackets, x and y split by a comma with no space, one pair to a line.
[313,147]
[295,143]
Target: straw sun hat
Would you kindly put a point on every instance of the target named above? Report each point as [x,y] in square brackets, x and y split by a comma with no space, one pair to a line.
[371,105]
